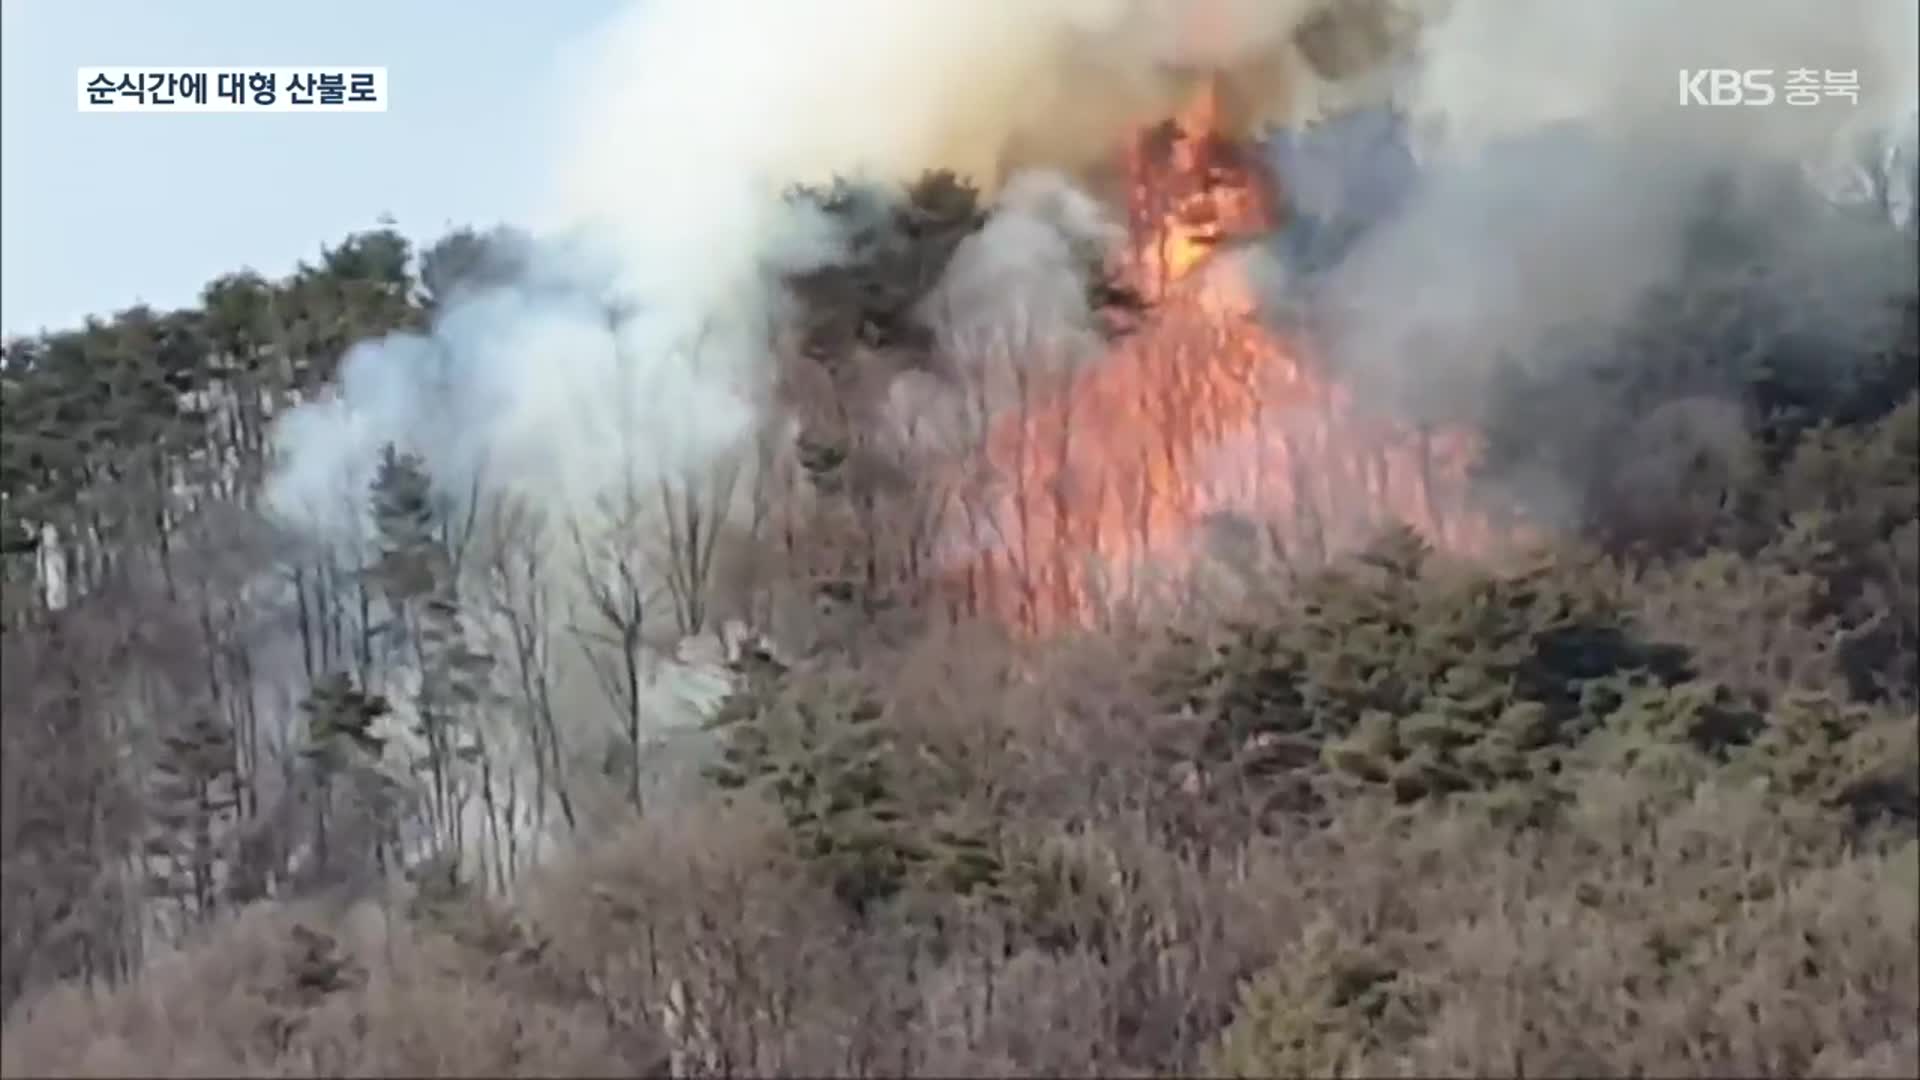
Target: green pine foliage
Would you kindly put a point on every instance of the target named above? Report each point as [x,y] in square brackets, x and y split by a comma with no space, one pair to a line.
[1420,680]
[821,754]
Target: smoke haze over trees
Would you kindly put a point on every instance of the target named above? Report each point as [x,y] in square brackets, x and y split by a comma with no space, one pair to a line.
[566,651]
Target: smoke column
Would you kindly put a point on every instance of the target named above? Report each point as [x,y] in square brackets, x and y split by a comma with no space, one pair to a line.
[638,327]
[628,344]
[634,335]
[1560,174]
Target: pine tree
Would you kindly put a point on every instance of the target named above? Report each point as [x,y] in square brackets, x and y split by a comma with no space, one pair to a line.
[415,569]
[823,754]
[342,749]
[194,794]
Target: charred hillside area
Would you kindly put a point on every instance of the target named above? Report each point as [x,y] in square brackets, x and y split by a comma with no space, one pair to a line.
[1121,627]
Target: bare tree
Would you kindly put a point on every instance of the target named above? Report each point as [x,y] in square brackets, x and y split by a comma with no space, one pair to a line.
[522,604]
[608,621]
[694,513]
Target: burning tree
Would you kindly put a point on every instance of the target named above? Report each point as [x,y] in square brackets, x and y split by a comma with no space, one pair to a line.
[1106,482]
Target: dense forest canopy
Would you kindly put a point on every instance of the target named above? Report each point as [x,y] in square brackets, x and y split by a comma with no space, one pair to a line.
[1298,827]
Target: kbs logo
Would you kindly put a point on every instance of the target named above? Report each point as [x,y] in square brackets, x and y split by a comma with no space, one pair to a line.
[1726,86]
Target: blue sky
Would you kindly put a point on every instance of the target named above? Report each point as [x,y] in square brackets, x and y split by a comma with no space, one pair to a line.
[99,211]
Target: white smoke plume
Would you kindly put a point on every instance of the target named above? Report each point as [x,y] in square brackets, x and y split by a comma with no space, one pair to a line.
[630,347]
[640,327]
[1017,288]
[636,339]
[1492,68]
[1561,170]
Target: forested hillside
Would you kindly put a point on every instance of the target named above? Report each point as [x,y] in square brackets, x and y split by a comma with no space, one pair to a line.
[1640,795]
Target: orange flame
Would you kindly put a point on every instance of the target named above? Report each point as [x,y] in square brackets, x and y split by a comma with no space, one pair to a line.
[1111,480]
[1191,190]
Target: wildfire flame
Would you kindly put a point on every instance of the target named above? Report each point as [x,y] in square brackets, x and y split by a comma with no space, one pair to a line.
[1192,189]
[1201,430]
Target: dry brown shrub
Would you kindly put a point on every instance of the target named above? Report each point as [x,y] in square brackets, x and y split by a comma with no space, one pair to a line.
[700,923]
[385,999]
[1679,919]
[1711,934]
